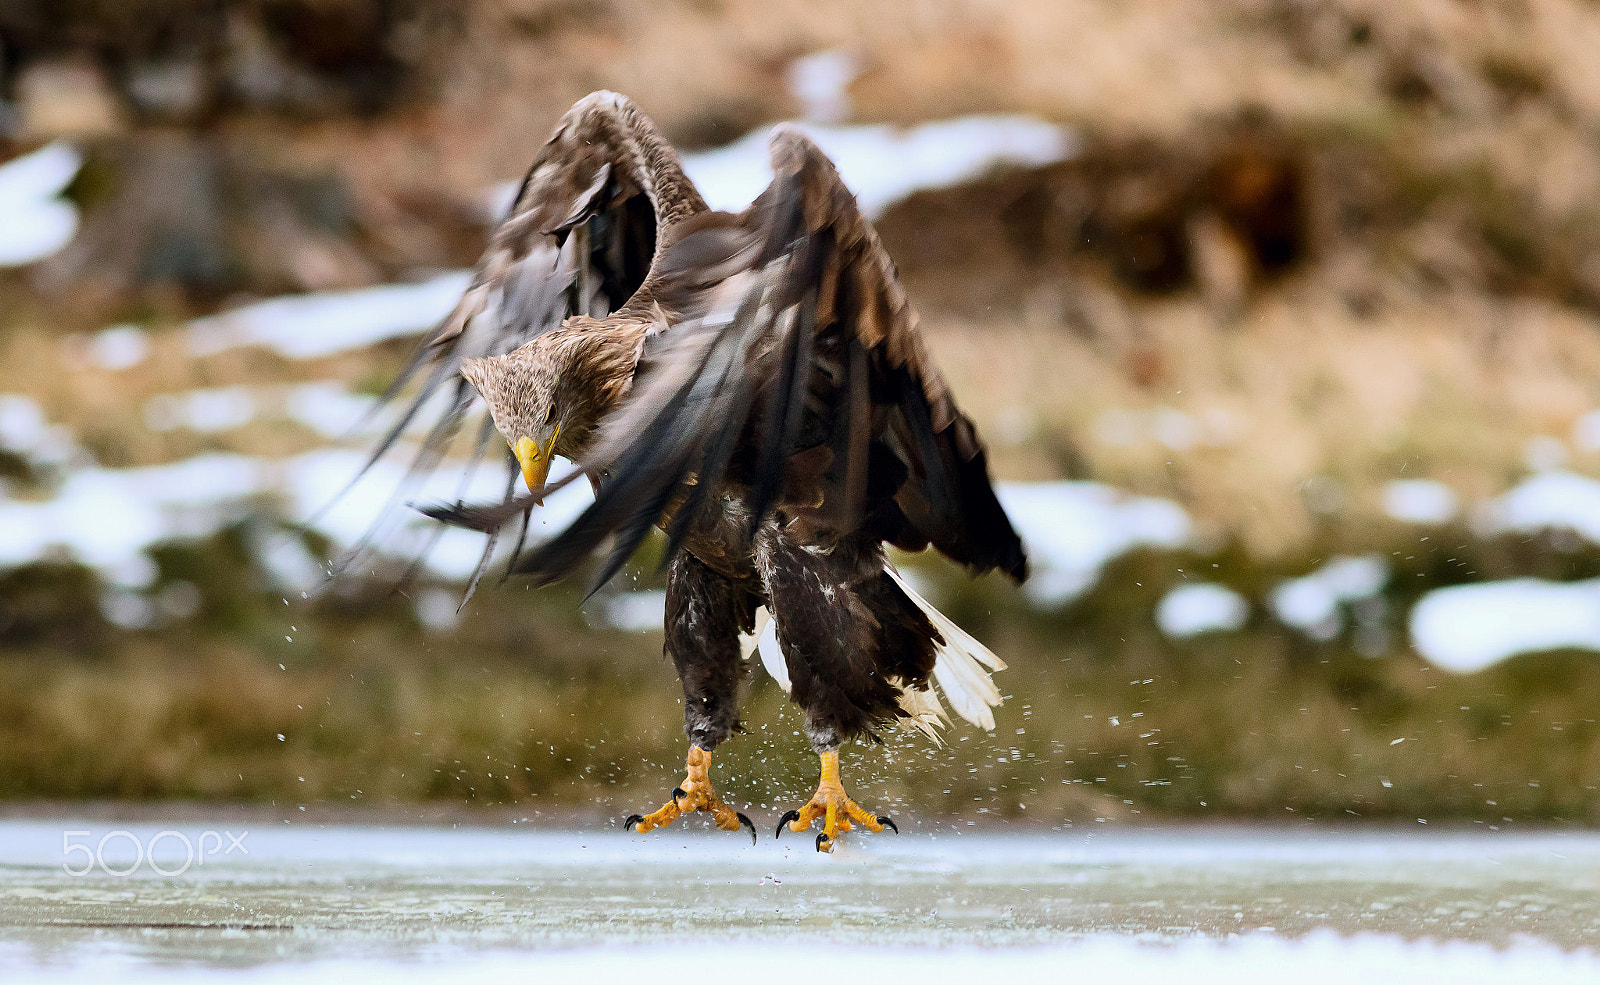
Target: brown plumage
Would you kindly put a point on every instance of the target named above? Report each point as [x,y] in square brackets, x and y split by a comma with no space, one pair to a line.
[758,389]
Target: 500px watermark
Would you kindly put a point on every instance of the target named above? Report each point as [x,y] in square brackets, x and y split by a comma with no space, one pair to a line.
[166,853]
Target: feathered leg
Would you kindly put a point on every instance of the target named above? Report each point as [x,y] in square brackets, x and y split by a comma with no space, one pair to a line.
[705,615]
[845,645]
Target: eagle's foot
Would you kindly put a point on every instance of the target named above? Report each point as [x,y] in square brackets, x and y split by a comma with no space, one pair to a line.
[834,807]
[696,794]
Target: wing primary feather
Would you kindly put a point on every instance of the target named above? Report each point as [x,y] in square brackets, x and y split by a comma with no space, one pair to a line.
[913,404]
[428,456]
[628,539]
[784,411]
[709,389]
[735,392]
[643,477]
[435,379]
[516,549]
[860,433]
[513,472]
[584,207]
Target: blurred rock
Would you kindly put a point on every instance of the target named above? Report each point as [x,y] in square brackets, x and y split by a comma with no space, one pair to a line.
[173,90]
[162,224]
[259,75]
[1221,266]
[66,99]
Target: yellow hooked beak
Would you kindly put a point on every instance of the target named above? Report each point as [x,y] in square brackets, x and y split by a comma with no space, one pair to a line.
[535,461]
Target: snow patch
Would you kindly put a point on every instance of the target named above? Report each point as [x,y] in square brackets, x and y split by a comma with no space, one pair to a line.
[884,164]
[821,82]
[209,411]
[1466,628]
[636,612]
[34,220]
[1419,501]
[1189,610]
[1555,499]
[1543,453]
[1586,432]
[22,423]
[119,347]
[438,609]
[880,164]
[106,518]
[328,408]
[1311,603]
[310,326]
[1072,529]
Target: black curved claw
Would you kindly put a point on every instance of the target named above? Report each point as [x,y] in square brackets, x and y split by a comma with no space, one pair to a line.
[676,793]
[888,822]
[631,821]
[746,822]
[791,816]
[822,836]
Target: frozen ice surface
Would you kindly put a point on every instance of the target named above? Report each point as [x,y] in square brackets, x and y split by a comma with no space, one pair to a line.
[34,220]
[1071,529]
[1466,628]
[1419,501]
[424,904]
[1323,959]
[1189,610]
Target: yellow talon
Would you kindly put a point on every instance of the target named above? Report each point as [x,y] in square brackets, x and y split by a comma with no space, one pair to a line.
[696,794]
[834,807]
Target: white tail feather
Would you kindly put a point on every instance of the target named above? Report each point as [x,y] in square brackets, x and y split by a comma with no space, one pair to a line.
[958,667]
[923,712]
[767,646]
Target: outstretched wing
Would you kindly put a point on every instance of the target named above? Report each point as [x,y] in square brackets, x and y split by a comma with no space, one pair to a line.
[794,369]
[580,238]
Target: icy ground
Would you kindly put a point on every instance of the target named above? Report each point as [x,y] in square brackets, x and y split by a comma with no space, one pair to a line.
[309,903]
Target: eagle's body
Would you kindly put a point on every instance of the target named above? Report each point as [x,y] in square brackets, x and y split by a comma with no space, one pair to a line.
[755,386]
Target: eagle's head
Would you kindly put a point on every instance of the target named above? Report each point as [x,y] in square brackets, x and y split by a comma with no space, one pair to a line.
[548,397]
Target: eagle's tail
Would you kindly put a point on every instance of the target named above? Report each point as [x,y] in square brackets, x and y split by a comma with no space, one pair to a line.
[961,669]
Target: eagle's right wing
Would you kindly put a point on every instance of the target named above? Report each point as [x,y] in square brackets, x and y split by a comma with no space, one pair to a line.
[580,238]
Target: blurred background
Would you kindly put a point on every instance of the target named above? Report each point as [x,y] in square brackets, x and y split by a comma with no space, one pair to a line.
[1281,318]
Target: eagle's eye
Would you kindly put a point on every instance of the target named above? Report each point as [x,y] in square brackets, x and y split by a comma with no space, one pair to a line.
[550,413]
